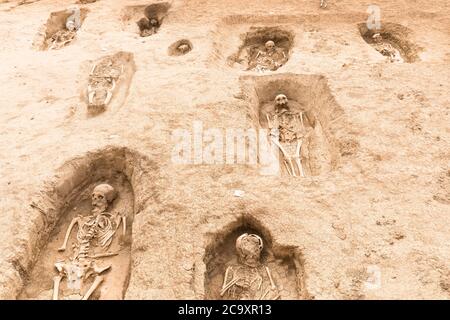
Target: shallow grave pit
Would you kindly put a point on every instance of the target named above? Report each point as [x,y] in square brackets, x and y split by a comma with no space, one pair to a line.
[55,28]
[279,266]
[180,47]
[145,20]
[237,39]
[391,37]
[254,53]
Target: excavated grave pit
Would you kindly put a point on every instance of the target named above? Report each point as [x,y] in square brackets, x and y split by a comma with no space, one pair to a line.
[239,38]
[397,36]
[67,196]
[253,42]
[180,47]
[121,61]
[136,18]
[285,263]
[311,95]
[55,23]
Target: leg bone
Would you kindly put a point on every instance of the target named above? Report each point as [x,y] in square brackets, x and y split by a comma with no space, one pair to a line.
[108,97]
[287,167]
[298,159]
[286,157]
[294,174]
[124,225]
[93,69]
[98,280]
[56,283]
[110,93]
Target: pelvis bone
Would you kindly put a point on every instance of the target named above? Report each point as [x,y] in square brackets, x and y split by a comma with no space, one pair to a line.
[77,272]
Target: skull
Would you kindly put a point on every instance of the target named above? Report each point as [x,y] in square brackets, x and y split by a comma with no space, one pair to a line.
[183,48]
[281,100]
[377,37]
[70,25]
[249,247]
[73,21]
[102,195]
[154,22]
[270,46]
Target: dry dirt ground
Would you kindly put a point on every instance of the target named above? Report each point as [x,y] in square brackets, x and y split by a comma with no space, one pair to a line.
[373,226]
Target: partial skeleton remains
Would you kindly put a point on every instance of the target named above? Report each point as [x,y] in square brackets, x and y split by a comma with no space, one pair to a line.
[102,82]
[386,49]
[269,58]
[63,37]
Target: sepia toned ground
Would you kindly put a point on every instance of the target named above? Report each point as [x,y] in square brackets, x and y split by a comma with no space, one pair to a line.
[382,210]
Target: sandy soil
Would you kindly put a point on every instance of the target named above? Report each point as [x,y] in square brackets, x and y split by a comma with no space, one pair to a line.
[385,205]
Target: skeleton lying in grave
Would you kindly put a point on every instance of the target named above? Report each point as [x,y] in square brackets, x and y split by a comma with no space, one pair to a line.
[95,231]
[269,59]
[386,49]
[289,131]
[249,279]
[63,37]
[102,82]
[147,27]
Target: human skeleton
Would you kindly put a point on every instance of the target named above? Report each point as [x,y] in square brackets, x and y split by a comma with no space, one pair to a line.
[288,132]
[62,37]
[269,59]
[95,230]
[102,82]
[249,279]
[386,49]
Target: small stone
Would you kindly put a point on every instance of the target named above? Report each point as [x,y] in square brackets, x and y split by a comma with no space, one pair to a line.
[398,236]
[238,193]
[340,230]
